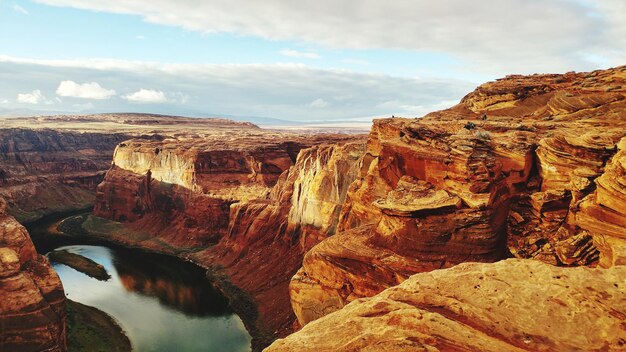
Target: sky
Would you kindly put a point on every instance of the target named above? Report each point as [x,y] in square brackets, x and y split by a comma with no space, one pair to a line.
[308,61]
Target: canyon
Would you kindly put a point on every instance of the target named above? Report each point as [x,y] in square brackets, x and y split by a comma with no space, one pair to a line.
[362,242]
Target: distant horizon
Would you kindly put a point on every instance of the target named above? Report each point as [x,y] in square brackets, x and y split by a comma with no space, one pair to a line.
[257,120]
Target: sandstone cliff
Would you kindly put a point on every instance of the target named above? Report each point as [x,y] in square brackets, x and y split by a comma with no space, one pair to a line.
[512,305]
[250,203]
[517,168]
[32,308]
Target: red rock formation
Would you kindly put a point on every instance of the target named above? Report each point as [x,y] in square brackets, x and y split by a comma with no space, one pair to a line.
[512,305]
[507,167]
[603,213]
[32,308]
[47,171]
[260,196]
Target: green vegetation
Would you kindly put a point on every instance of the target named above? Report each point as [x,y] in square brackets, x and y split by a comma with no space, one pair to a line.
[92,330]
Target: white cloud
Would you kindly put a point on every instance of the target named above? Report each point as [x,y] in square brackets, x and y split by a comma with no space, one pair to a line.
[34,97]
[318,103]
[4,101]
[140,37]
[498,36]
[299,54]
[91,90]
[19,9]
[146,96]
[271,90]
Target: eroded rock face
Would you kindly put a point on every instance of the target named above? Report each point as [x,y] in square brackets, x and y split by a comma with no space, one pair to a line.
[32,308]
[510,171]
[603,213]
[47,171]
[182,189]
[512,305]
[260,200]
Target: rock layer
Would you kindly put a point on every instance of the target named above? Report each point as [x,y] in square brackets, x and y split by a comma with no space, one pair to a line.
[47,171]
[32,309]
[512,305]
[511,170]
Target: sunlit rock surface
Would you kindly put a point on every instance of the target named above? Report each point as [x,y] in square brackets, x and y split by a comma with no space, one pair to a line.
[32,304]
[525,166]
[512,305]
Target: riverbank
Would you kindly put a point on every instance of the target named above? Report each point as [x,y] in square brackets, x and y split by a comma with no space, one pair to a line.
[92,330]
[86,229]
[92,228]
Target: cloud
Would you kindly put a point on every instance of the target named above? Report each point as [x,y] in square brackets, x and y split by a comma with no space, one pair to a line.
[494,36]
[34,97]
[271,90]
[4,101]
[19,9]
[299,54]
[91,90]
[146,96]
[318,103]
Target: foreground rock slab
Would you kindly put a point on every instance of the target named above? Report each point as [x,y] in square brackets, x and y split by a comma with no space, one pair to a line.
[32,303]
[512,305]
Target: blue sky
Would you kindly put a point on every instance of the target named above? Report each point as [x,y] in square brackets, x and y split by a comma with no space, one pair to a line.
[308,60]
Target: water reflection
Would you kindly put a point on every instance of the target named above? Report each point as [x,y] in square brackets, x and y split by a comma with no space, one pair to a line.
[176,284]
[162,303]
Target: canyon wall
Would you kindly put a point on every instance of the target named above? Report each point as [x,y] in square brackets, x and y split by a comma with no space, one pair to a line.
[32,308]
[248,207]
[526,166]
[47,171]
[512,305]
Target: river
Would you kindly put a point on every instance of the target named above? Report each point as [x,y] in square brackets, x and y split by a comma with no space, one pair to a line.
[161,302]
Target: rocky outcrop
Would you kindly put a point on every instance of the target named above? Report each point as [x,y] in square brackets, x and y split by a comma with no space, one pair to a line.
[603,213]
[510,171]
[181,190]
[512,305]
[32,309]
